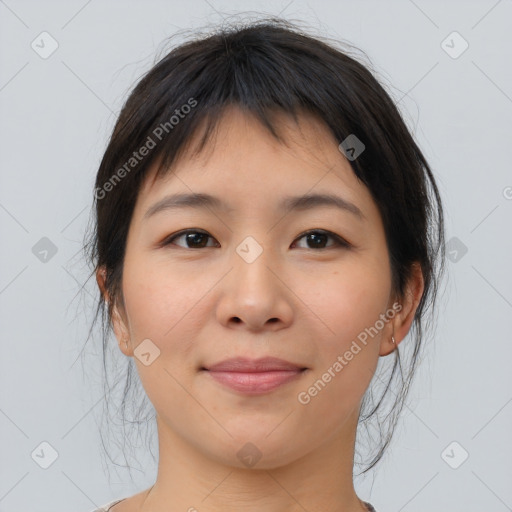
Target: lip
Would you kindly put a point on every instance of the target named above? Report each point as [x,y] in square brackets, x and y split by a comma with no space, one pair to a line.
[246,365]
[254,376]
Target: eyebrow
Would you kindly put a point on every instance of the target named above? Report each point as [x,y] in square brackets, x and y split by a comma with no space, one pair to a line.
[296,203]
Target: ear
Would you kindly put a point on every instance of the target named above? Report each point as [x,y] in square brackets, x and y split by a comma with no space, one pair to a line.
[119,319]
[402,321]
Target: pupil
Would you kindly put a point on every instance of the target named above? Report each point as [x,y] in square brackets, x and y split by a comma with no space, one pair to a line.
[193,237]
[316,236]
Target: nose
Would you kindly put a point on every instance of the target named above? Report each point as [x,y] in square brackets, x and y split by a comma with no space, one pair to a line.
[254,295]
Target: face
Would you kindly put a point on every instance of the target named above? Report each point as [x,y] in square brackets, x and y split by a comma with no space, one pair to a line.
[249,281]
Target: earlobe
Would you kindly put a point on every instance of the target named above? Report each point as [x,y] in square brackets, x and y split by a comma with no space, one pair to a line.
[388,344]
[124,346]
[402,322]
[121,331]
[101,276]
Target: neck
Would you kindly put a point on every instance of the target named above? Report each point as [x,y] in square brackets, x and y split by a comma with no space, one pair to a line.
[190,481]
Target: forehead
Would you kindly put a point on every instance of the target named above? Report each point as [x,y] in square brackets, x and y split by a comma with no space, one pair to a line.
[244,165]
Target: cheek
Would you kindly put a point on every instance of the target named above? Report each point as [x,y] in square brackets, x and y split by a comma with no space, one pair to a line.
[154,296]
[347,344]
[159,305]
[349,301]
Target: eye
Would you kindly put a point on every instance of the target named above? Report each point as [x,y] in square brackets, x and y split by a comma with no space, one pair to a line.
[317,238]
[196,239]
[193,237]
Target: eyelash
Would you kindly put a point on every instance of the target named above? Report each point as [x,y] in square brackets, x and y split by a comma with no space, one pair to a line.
[339,241]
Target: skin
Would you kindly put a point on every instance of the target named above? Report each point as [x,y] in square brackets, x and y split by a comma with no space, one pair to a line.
[295,301]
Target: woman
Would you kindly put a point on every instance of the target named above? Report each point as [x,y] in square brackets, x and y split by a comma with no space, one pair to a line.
[267,232]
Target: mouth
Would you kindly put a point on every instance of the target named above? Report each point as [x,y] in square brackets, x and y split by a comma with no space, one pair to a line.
[254,376]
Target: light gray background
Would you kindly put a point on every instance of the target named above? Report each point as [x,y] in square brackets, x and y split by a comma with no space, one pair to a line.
[56,115]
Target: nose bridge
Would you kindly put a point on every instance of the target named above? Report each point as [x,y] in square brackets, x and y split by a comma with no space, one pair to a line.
[251,261]
[253,293]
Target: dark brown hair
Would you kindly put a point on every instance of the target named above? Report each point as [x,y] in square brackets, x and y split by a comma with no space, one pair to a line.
[265,67]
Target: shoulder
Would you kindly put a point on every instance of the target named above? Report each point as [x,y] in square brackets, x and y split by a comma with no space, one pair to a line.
[130,503]
[107,506]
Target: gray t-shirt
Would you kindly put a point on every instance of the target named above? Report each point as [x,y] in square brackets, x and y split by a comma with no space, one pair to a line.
[105,508]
